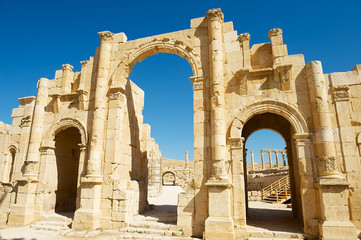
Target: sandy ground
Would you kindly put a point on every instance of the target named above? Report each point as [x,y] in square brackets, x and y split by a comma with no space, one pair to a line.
[167,201]
[262,217]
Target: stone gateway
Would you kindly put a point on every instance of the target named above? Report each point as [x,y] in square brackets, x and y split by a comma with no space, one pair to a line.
[81,145]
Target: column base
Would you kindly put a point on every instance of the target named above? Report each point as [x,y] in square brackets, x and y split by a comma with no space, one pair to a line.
[219,228]
[335,230]
[21,215]
[86,219]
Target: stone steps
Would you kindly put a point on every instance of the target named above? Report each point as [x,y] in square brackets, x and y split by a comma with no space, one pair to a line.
[274,236]
[53,222]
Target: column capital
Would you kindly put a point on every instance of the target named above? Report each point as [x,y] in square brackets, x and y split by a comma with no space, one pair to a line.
[67,67]
[244,37]
[275,32]
[83,63]
[106,36]
[215,15]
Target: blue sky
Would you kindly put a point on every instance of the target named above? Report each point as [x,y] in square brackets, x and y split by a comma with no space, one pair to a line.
[37,37]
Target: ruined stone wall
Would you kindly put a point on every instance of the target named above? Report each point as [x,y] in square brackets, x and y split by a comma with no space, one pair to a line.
[182,171]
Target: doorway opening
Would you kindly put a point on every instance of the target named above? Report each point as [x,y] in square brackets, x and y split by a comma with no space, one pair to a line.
[168,109]
[271,175]
[168,179]
[67,152]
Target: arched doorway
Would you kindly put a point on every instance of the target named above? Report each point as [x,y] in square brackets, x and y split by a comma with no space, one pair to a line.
[67,152]
[168,179]
[265,214]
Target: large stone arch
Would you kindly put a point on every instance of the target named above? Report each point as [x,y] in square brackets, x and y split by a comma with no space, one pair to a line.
[63,124]
[155,46]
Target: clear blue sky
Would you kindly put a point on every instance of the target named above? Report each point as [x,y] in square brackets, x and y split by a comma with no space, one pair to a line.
[37,37]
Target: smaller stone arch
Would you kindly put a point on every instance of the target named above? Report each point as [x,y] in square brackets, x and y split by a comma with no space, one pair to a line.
[269,106]
[174,177]
[62,125]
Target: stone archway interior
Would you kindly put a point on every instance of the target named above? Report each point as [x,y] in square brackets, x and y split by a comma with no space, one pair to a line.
[284,128]
[67,154]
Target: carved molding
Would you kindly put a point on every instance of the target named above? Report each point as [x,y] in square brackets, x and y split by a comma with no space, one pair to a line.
[116,96]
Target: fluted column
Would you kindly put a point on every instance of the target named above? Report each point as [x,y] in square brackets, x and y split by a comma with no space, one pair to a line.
[36,134]
[262,158]
[96,151]
[219,224]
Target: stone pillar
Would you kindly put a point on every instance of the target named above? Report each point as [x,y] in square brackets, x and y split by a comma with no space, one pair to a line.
[270,158]
[22,213]
[88,215]
[277,160]
[186,158]
[252,161]
[219,224]
[67,78]
[284,157]
[244,39]
[239,189]
[262,157]
[332,187]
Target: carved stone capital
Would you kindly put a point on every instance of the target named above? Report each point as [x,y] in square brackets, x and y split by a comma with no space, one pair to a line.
[106,36]
[83,63]
[244,37]
[67,67]
[215,15]
[198,86]
[327,165]
[116,96]
[275,32]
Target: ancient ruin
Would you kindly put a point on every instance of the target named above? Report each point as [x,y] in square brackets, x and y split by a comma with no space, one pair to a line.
[81,145]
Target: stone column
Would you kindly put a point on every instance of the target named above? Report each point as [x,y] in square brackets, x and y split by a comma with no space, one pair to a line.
[252,161]
[219,224]
[22,212]
[277,160]
[270,158]
[36,132]
[186,158]
[88,215]
[262,157]
[284,157]
[332,187]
